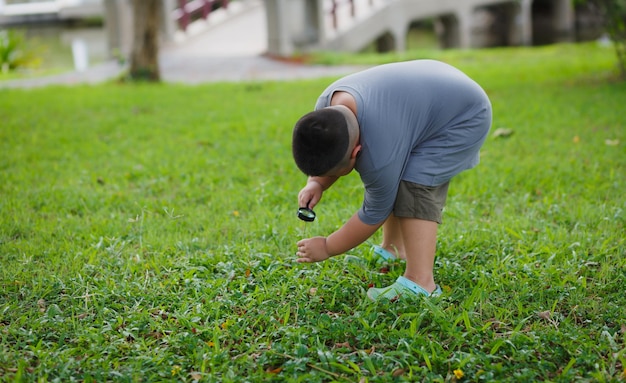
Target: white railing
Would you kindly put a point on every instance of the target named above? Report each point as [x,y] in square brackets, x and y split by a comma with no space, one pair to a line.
[40,7]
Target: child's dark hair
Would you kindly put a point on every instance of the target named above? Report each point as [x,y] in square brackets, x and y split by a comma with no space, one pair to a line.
[320,141]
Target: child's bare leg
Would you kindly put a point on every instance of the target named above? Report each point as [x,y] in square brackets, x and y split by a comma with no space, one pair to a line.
[393,240]
[420,245]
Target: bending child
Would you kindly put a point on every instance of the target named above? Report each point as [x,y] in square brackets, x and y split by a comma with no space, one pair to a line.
[407,128]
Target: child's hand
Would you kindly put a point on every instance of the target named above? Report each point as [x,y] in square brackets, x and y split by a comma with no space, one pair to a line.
[310,195]
[312,250]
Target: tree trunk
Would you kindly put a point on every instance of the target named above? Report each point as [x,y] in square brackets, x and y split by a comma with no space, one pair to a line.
[144,62]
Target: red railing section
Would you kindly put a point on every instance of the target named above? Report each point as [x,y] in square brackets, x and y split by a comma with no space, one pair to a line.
[336,4]
[188,11]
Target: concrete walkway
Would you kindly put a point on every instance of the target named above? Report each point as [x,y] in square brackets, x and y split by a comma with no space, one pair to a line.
[228,48]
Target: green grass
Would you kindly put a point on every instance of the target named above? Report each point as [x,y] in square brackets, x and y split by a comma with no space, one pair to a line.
[148,234]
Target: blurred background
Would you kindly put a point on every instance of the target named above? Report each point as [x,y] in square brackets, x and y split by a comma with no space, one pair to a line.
[58,35]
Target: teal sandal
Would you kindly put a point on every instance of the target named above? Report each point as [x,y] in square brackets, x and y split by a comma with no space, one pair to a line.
[402,287]
[380,255]
[383,254]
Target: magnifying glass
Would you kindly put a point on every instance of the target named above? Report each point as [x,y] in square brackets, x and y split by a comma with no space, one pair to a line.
[306,214]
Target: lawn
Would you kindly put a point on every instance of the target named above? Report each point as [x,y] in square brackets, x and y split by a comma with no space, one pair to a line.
[147,233]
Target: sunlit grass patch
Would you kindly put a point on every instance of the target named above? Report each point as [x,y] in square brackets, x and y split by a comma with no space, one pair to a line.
[148,233]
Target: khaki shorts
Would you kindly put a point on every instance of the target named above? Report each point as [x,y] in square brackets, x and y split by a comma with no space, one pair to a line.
[421,202]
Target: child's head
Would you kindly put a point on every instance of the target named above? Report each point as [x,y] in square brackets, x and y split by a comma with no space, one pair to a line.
[323,140]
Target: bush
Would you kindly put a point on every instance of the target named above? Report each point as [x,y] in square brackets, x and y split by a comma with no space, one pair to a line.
[614,14]
[13,52]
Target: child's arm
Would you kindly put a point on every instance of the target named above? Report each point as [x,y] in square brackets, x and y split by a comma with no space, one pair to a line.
[325,182]
[350,235]
[311,194]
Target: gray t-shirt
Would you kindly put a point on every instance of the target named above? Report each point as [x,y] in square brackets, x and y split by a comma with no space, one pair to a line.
[422,121]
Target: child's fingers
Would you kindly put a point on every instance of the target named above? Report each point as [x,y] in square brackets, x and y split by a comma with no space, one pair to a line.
[313,201]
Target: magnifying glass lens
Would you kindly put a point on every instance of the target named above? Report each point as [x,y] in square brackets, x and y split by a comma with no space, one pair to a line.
[306,214]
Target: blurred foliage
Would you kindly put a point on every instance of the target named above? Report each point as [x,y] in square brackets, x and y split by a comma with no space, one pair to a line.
[613,13]
[14,53]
